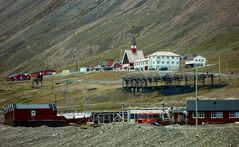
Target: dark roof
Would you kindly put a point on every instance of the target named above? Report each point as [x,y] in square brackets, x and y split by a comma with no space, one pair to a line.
[28,106]
[213,105]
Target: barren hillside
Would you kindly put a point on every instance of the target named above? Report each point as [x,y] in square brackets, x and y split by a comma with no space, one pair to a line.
[40,33]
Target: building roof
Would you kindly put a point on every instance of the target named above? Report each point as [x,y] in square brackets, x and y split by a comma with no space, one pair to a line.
[213,105]
[28,106]
[133,56]
[142,60]
[161,53]
[194,56]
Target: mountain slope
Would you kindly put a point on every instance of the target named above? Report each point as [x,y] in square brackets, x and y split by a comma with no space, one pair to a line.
[57,32]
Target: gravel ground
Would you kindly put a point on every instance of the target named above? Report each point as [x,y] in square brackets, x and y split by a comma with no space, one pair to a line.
[122,134]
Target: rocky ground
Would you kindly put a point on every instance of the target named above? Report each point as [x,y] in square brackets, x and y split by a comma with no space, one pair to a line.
[121,134]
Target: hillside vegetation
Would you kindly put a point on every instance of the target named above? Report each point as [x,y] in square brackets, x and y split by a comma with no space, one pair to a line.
[102,91]
[54,33]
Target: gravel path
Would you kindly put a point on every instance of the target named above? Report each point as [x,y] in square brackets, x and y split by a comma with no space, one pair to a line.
[122,134]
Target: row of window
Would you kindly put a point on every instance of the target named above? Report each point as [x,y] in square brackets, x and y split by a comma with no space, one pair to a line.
[199,60]
[164,57]
[163,62]
[141,63]
[217,115]
[158,62]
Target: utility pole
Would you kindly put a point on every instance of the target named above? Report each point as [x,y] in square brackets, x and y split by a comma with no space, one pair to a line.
[196,96]
[77,65]
[219,70]
[84,104]
[54,89]
[122,105]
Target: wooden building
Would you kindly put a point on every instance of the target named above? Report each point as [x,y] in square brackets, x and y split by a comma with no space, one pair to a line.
[213,111]
[32,115]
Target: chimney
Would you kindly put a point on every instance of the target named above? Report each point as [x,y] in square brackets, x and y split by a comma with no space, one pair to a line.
[133,45]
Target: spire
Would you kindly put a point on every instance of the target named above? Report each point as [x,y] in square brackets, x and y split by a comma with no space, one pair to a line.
[133,45]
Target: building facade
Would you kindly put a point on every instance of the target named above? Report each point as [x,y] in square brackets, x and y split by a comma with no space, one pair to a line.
[167,61]
[142,64]
[130,56]
[213,111]
[164,61]
[195,60]
[32,115]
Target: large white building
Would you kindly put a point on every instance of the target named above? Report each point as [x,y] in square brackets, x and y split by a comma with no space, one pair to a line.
[159,61]
[141,64]
[195,60]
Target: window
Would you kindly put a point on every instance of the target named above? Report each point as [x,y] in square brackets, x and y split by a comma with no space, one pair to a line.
[213,115]
[168,62]
[167,57]
[33,112]
[146,62]
[172,62]
[216,115]
[196,60]
[233,114]
[177,62]
[162,62]
[158,62]
[200,115]
[162,57]
[172,57]
[158,57]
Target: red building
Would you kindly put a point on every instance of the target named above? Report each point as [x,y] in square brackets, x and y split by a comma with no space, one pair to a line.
[109,62]
[213,111]
[43,72]
[32,115]
[117,65]
[18,77]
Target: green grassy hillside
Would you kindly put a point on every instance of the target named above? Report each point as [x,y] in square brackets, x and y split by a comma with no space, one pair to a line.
[40,33]
[100,91]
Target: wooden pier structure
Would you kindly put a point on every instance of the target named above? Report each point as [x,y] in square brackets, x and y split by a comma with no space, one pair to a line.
[144,83]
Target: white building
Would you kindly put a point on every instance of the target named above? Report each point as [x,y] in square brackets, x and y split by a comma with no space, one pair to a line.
[141,64]
[84,69]
[159,61]
[195,60]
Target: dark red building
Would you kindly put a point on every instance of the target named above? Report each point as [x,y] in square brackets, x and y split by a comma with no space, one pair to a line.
[109,62]
[32,115]
[43,72]
[213,111]
[18,77]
